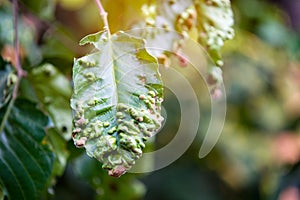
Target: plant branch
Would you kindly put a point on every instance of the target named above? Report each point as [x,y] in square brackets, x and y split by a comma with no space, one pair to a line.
[20,72]
[103,15]
[18,66]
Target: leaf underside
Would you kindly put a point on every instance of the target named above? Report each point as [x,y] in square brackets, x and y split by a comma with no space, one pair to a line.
[25,162]
[116,100]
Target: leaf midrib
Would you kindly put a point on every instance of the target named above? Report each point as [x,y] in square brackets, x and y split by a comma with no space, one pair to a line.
[111,51]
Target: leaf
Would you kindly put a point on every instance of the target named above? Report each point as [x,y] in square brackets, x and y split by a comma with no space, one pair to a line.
[215,21]
[54,91]
[59,48]
[59,148]
[207,21]
[1,192]
[7,81]
[44,9]
[116,101]
[25,161]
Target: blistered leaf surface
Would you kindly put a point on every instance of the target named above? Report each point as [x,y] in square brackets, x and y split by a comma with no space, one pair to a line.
[116,101]
[210,22]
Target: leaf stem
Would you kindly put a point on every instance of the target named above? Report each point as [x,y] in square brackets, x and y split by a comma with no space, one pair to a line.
[103,15]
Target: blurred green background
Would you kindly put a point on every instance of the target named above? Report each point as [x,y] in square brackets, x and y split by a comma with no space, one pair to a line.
[257,156]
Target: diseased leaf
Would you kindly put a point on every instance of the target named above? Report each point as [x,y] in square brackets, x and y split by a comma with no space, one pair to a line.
[54,91]
[25,161]
[207,21]
[116,101]
[215,21]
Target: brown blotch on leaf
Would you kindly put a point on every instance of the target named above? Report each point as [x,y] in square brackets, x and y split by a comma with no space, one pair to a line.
[142,79]
[183,61]
[80,122]
[75,131]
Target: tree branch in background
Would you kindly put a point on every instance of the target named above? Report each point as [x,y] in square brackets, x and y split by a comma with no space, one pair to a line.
[20,71]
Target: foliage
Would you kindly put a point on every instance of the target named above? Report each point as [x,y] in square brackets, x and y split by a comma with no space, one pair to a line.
[26,162]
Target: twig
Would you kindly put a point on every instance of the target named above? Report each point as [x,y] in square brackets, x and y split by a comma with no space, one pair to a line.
[103,15]
[20,72]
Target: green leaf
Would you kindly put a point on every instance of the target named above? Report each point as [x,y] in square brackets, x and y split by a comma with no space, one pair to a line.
[58,146]
[58,48]
[54,91]
[1,193]
[44,9]
[25,161]
[116,101]
[7,81]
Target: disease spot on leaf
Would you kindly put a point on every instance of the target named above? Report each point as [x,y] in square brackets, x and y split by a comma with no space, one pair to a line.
[151,93]
[87,63]
[117,172]
[142,79]
[90,76]
[140,119]
[11,79]
[142,97]
[183,61]
[171,2]
[64,129]
[105,124]
[164,60]
[48,70]
[80,122]
[81,142]
[75,132]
